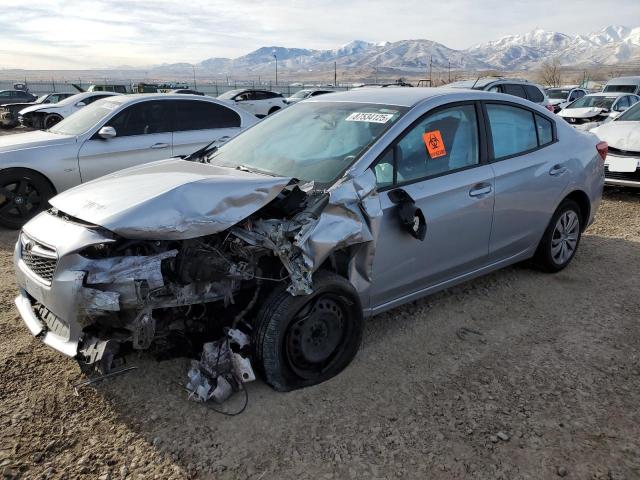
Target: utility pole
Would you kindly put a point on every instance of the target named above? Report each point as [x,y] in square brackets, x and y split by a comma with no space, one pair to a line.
[430,70]
[449,71]
[195,86]
[335,74]
[377,61]
[274,56]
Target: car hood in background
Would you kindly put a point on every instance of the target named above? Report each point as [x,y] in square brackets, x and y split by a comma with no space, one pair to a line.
[39,138]
[621,135]
[556,101]
[36,107]
[586,112]
[19,105]
[170,199]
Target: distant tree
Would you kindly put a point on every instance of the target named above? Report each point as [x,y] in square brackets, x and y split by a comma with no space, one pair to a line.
[550,73]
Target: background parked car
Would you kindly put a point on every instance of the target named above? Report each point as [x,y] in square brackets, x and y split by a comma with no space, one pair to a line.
[186,91]
[591,110]
[306,93]
[623,85]
[561,97]
[46,116]
[622,166]
[112,134]
[511,86]
[16,96]
[259,102]
[109,87]
[9,113]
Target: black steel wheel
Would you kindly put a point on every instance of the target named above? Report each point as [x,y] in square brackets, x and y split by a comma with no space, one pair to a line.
[304,340]
[50,120]
[23,194]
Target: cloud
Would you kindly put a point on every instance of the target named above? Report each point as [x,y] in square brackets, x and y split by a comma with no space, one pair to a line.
[75,33]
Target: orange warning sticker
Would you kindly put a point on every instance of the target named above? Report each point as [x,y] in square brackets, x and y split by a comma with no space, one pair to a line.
[434,143]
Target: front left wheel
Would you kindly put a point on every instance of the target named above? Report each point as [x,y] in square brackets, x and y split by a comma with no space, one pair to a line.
[304,340]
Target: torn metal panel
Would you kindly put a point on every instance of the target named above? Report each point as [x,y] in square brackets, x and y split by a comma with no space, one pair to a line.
[170,199]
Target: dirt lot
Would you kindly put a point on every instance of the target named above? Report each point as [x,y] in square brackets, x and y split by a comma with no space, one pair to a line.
[518,375]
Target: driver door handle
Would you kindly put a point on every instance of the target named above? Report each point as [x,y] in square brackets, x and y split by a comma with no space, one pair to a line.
[160,145]
[557,170]
[480,190]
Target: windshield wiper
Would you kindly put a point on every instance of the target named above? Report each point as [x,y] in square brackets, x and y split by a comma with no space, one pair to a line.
[245,168]
[202,153]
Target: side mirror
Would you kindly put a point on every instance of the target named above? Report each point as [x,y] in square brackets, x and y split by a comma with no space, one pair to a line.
[107,132]
[614,115]
[411,216]
[81,104]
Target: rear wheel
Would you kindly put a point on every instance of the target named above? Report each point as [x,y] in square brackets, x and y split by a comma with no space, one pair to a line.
[304,340]
[50,120]
[561,238]
[23,194]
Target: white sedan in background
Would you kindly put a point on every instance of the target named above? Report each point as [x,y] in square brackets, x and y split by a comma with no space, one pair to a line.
[47,115]
[115,133]
[622,165]
[592,110]
[259,102]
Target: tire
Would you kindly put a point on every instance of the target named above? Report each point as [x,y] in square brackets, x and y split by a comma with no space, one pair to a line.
[50,120]
[23,194]
[273,110]
[561,239]
[300,341]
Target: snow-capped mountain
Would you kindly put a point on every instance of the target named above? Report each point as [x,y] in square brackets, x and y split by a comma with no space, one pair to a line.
[612,45]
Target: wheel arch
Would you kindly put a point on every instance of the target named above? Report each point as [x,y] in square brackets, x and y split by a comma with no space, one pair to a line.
[30,171]
[583,201]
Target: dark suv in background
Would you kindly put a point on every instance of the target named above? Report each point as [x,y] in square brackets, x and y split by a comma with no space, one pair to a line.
[511,86]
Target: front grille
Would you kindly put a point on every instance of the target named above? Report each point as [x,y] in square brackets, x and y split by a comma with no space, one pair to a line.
[623,153]
[38,258]
[628,176]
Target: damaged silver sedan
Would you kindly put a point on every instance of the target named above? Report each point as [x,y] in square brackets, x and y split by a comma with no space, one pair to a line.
[284,238]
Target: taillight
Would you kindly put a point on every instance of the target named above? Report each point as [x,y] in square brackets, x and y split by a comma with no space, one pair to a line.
[603,149]
[549,107]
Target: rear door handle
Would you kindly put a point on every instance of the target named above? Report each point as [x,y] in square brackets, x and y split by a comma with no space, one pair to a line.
[480,190]
[160,145]
[557,170]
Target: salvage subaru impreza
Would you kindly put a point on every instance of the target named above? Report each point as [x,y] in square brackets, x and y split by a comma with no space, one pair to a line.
[333,210]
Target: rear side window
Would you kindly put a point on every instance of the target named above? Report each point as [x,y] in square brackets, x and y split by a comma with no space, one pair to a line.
[196,115]
[534,93]
[513,130]
[545,130]
[514,89]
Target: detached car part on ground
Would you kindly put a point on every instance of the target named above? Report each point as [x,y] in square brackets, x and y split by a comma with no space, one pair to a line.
[622,166]
[594,109]
[336,209]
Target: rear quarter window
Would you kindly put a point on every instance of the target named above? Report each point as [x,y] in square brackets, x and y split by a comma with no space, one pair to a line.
[534,93]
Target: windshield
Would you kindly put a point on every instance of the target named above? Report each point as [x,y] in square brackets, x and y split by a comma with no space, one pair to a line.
[595,101]
[558,94]
[621,88]
[41,98]
[86,118]
[630,115]
[301,94]
[230,94]
[313,141]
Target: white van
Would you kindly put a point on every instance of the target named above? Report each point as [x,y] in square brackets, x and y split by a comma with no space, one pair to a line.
[623,84]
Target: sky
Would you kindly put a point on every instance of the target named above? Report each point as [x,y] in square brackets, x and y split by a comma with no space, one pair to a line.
[80,34]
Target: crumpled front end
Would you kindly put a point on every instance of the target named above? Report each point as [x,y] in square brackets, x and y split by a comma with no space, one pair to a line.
[87,291]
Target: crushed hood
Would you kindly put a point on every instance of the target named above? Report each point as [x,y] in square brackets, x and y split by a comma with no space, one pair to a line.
[621,135]
[587,112]
[170,199]
[39,138]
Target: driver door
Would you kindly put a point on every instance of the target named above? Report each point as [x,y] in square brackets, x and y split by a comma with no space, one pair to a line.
[439,163]
[143,134]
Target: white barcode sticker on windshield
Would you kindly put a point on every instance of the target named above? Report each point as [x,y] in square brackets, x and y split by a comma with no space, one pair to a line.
[370,117]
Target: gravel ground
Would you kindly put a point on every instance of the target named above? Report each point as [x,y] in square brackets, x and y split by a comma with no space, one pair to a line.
[518,375]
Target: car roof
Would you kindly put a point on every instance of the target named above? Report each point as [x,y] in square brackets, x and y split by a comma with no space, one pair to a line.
[159,96]
[404,97]
[608,94]
[634,80]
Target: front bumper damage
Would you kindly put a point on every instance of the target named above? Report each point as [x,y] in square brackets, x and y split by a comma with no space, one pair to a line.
[141,291]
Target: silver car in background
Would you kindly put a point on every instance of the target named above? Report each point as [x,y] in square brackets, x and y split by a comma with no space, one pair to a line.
[336,209]
[111,134]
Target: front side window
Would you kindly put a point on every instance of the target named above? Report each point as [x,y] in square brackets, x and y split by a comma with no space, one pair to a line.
[441,142]
[631,115]
[559,94]
[314,141]
[621,104]
[5,94]
[196,115]
[513,130]
[142,119]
